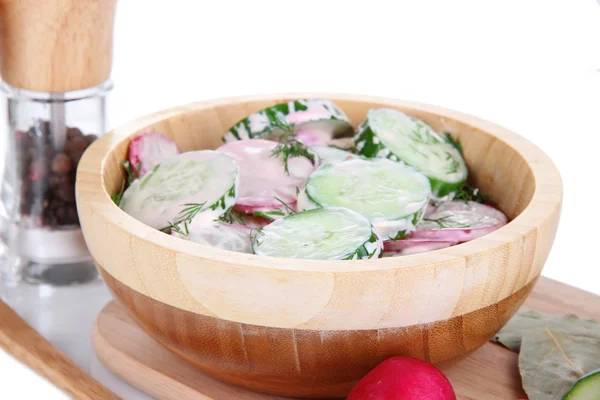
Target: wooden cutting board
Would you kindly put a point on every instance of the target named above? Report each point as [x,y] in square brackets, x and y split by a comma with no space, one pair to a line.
[490,373]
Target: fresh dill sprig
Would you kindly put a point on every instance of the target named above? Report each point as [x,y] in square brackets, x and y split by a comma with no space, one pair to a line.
[442,223]
[254,232]
[454,142]
[185,217]
[231,217]
[469,193]
[130,176]
[288,146]
[185,231]
[270,215]
[116,197]
[130,172]
[286,206]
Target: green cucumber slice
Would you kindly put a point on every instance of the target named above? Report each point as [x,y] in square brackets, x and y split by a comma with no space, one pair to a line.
[322,234]
[329,154]
[395,135]
[197,185]
[312,114]
[586,388]
[393,196]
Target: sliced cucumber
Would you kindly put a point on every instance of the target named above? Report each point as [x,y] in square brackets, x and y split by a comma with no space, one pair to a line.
[395,135]
[323,234]
[221,235]
[586,388]
[321,117]
[391,195]
[194,185]
[329,154]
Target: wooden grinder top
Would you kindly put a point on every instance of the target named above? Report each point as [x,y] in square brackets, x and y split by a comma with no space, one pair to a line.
[56,45]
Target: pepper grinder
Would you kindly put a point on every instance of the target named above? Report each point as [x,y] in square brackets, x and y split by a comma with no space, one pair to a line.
[55,65]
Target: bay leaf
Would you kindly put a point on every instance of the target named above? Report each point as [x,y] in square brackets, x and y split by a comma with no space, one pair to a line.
[529,322]
[551,361]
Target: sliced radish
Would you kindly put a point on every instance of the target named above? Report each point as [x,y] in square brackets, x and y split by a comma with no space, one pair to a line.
[460,222]
[317,120]
[264,184]
[148,149]
[415,245]
[312,137]
[430,209]
[221,235]
[329,154]
[251,221]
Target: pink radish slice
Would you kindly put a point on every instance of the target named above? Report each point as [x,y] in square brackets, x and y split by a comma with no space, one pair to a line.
[414,246]
[459,222]
[312,137]
[255,222]
[148,149]
[221,235]
[251,209]
[268,214]
[429,209]
[313,113]
[263,179]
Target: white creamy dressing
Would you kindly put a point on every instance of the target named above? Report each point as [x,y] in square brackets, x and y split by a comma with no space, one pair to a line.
[258,122]
[328,154]
[315,112]
[263,179]
[220,235]
[375,248]
[387,229]
[462,215]
[194,177]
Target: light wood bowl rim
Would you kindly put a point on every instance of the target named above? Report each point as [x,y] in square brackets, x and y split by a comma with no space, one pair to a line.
[546,197]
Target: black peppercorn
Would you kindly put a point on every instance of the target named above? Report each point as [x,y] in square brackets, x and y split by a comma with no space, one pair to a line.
[61,164]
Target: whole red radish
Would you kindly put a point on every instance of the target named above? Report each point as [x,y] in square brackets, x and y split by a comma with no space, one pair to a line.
[403,378]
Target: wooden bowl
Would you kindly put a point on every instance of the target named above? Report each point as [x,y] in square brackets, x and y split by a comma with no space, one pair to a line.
[312,328]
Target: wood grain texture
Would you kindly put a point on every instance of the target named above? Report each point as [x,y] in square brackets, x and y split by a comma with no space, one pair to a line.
[489,373]
[306,363]
[56,46]
[440,289]
[29,347]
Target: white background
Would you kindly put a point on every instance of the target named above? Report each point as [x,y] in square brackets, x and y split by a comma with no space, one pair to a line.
[532,66]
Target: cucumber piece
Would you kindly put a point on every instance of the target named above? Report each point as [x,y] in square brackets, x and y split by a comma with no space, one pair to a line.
[393,196]
[197,185]
[586,388]
[395,135]
[322,234]
[320,119]
[329,154]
